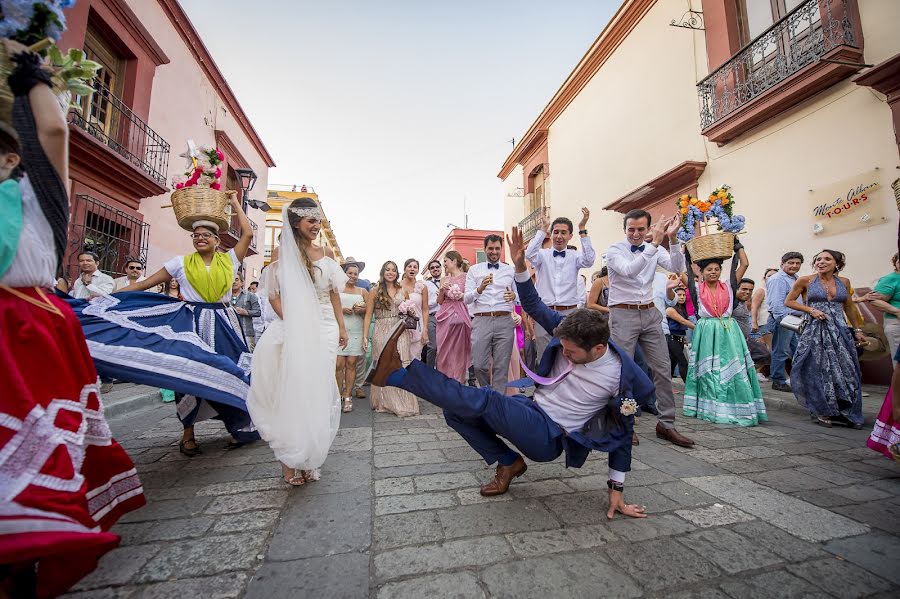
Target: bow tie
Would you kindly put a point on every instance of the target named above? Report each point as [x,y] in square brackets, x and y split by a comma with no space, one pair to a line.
[497,266]
[556,253]
[637,248]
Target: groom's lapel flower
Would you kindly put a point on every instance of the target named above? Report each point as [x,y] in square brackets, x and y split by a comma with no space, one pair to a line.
[629,406]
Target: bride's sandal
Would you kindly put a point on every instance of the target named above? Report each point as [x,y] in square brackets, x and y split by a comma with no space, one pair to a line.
[348,405]
[296,478]
[312,475]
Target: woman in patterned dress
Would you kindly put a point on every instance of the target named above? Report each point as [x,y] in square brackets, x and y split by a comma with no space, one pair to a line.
[825,375]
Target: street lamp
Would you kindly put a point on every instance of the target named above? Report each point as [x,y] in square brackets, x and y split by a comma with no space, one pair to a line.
[247,179]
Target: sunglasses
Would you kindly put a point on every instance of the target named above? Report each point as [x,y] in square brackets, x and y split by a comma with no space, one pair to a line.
[135,268]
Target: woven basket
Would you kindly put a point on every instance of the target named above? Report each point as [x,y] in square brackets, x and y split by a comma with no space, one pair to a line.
[201,203]
[896,186]
[711,245]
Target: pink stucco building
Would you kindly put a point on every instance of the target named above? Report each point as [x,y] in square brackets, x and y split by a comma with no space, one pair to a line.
[159,86]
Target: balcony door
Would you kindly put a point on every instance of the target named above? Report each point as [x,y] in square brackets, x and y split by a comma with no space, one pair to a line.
[99,110]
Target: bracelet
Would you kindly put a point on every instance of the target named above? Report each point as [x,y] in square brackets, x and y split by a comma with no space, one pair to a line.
[615,486]
[582,232]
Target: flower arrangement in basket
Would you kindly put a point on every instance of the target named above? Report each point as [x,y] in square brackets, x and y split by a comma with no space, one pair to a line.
[198,194]
[696,213]
[407,309]
[36,24]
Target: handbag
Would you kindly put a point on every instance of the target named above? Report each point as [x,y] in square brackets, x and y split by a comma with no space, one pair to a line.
[795,323]
[410,321]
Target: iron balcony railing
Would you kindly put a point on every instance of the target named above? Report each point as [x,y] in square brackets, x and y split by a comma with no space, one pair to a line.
[115,236]
[111,122]
[234,229]
[802,37]
[529,225]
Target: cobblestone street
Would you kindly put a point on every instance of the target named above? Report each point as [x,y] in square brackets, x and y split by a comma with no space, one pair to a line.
[784,509]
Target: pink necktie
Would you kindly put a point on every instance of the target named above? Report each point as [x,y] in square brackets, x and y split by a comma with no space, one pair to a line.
[545,380]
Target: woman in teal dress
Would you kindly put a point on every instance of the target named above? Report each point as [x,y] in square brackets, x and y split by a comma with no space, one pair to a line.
[721,384]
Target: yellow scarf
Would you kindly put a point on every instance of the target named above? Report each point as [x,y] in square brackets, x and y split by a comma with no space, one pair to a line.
[211,284]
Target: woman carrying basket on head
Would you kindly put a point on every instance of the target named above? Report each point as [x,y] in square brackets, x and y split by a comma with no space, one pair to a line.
[169,342]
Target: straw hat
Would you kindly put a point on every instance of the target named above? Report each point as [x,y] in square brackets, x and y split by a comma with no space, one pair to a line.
[351,261]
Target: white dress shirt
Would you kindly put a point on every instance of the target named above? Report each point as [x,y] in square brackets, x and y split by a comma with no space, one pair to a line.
[585,391]
[557,276]
[491,300]
[101,284]
[582,293]
[124,282]
[432,296]
[631,273]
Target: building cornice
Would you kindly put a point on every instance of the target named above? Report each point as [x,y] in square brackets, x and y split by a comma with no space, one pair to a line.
[622,23]
[191,38]
[232,154]
[681,179]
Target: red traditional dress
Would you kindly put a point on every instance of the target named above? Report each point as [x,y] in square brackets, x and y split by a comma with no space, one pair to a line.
[64,480]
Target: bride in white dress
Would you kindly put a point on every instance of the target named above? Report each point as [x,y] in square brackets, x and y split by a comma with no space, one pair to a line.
[294,399]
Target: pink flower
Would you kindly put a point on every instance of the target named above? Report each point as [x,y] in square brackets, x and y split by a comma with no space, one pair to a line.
[179,185]
[220,154]
[198,170]
[407,307]
[218,173]
[215,186]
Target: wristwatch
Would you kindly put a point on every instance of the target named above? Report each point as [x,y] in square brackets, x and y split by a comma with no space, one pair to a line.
[582,232]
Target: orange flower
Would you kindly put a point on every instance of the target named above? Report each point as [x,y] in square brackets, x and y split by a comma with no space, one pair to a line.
[684,210]
[694,201]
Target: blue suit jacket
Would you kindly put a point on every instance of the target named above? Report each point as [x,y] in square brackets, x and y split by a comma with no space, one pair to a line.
[608,430]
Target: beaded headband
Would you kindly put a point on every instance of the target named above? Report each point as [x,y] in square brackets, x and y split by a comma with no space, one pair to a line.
[308,212]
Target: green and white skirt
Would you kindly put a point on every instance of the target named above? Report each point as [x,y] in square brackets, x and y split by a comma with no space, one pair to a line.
[721,383]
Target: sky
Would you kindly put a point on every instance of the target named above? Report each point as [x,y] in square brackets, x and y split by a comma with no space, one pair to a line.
[397,112]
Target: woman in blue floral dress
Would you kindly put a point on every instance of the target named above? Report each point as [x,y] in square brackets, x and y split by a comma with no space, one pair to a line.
[825,376]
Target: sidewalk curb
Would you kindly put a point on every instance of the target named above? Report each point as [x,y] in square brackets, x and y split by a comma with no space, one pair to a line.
[131,404]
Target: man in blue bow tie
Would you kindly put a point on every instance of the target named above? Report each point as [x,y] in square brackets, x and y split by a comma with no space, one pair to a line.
[586,392]
[492,302]
[556,267]
[634,319]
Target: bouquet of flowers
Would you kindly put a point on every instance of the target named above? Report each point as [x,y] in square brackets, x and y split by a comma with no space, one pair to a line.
[30,21]
[407,309]
[203,168]
[718,205]
[454,292]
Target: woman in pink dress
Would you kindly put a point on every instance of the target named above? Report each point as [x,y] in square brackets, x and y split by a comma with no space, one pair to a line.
[453,322]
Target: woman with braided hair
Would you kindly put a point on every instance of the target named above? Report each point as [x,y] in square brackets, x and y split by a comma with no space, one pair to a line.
[65,479]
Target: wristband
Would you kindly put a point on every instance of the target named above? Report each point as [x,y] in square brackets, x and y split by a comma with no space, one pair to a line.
[615,486]
[27,73]
[582,232]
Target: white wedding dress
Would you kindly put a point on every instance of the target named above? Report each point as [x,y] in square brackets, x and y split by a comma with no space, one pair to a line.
[294,399]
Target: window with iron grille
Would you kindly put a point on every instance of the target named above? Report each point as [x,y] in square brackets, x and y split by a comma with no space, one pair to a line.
[115,236]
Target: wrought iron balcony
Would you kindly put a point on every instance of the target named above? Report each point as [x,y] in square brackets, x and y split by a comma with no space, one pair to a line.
[804,36]
[529,225]
[234,233]
[110,121]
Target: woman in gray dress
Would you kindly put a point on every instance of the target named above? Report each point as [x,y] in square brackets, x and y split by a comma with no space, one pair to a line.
[353,302]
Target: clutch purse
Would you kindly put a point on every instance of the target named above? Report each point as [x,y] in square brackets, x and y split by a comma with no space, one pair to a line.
[410,321]
[795,323]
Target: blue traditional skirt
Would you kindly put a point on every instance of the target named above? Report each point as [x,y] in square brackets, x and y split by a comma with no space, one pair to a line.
[195,349]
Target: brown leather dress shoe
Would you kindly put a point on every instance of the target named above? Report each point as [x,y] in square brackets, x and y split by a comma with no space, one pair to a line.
[634,439]
[672,436]
[389,359]
[500,484]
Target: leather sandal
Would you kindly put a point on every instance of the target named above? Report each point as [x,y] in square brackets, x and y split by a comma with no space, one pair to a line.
[348,405]
[189,451]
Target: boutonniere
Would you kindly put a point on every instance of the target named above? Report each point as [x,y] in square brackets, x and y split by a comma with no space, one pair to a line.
[629,407]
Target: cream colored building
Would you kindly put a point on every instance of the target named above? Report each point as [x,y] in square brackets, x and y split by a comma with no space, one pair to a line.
[777,105]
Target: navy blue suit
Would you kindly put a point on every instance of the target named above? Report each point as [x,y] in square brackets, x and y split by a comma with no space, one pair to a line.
[482,415]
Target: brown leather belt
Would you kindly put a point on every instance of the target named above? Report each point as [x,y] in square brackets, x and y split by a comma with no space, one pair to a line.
[492,313]
[634,306]
[562,308]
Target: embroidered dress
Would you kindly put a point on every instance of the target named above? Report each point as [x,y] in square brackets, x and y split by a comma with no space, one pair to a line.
[886,431]
[64,481]
[825,375]
[393,399]
[193,347]
[721,384]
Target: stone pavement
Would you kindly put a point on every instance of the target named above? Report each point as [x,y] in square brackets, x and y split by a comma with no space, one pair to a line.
[785,509]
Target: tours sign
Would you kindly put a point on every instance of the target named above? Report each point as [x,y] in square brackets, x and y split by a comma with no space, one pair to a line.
[852,203]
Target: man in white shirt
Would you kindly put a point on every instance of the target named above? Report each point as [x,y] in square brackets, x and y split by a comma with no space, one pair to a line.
[91,283]
[134,272]
[557,267]
[586,394]
[633,316]
[491,299]
[435,270]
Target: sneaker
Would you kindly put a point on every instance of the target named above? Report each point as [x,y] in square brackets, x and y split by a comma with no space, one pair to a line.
[781,387]
[761,378]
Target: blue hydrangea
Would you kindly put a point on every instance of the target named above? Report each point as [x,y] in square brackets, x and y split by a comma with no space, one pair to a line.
[729,224]
[17,16]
